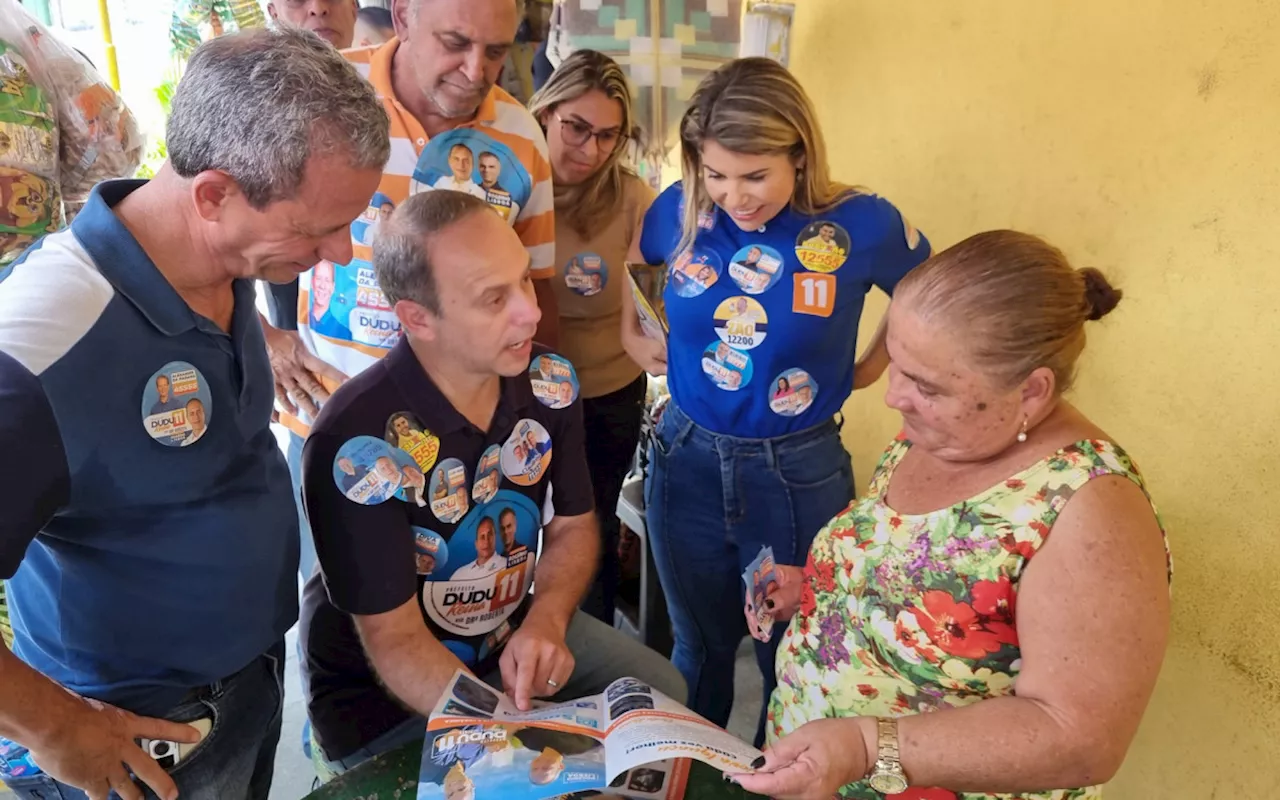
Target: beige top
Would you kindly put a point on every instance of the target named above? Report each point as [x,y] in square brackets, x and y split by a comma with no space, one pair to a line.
[591,285]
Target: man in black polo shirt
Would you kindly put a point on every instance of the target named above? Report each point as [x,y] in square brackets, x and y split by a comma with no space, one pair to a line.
[458,278]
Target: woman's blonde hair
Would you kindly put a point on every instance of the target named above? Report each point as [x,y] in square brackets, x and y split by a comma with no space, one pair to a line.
[587,205]
[755,106]
[1014,300]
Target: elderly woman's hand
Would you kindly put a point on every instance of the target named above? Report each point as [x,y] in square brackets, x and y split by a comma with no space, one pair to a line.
[784,601]
[812,763]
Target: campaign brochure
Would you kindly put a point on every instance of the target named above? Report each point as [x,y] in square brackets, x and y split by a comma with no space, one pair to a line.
[630,741]
[648,282]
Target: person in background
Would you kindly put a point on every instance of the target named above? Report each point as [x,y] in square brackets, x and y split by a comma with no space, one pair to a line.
[585,110]
[728,473]
[373,27]
[436,80]
[112,516]
[331,20]
[1005,540]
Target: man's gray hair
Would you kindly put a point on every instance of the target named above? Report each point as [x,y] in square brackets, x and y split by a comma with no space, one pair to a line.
[402,246]
[257,104]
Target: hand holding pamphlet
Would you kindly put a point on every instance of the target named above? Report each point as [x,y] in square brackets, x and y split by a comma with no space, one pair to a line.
[631,741]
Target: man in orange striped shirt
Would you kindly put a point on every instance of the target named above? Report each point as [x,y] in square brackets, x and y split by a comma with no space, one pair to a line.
[437,82]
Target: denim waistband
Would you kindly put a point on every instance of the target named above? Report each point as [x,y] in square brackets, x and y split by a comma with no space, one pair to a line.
[689,432]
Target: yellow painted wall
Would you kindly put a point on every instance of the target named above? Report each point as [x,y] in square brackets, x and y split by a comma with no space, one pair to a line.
[1142,137]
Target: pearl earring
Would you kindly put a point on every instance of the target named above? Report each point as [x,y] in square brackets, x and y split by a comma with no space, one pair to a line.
[1022,434]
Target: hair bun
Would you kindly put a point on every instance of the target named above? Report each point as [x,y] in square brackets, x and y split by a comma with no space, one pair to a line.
[1100,297]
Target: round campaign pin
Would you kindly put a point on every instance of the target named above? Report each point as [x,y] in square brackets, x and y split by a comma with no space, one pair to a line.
[555,382]
[176,405]
[406,432]
[487,478]
[756,268]
[586,274]
[366,472]
[822,246]
[413,482]
[469,160]
[694,271]
[741,322]
[430,552]
[448,491]
[527,453]
[792,392]
[489,570]
[727,368]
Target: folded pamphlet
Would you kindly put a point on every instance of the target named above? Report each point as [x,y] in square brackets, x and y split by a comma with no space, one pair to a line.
[648,282]
[630,741]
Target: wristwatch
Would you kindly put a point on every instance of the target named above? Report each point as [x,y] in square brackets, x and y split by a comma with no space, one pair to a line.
[887,776]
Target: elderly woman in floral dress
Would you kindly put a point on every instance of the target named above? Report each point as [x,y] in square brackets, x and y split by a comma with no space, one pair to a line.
[990,618]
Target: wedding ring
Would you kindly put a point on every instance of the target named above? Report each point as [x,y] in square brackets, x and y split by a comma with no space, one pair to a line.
[552,684]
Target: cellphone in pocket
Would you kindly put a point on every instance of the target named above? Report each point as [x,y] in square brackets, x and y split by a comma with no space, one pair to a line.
[170,754]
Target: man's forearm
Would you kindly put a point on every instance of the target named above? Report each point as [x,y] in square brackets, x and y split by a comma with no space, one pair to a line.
[415,667]
[565,571]
[32,707]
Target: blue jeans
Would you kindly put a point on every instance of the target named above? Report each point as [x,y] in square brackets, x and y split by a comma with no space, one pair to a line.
[711,503]
[307,553]
[601,655]
[237,758]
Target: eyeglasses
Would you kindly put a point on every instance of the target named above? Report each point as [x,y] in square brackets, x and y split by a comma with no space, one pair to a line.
[576,134]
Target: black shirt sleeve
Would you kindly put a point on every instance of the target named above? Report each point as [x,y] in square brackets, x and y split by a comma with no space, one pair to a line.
[34,478]
[282,304]
[570,477]
[365,552]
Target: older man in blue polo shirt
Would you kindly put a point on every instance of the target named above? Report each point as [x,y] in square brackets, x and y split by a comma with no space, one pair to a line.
[152,535]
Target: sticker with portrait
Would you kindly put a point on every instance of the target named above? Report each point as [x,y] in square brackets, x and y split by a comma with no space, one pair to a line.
[489,568]
[554,380]
[756,268]
[413,481]
[822,246]
[430,552]
[471,161]
[741,322]
[365,470]
[365,227]
[527,453]
[586,274]
[448,491]
[694,271]
[176,405]
[406,432]
[727,368]
[487,476]
[792,392]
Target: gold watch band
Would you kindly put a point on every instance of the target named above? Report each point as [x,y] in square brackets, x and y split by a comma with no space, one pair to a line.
[887,740]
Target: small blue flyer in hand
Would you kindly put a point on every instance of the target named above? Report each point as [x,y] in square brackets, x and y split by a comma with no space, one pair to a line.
[760,579]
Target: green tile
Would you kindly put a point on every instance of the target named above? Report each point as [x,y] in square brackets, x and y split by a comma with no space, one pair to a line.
[701,21]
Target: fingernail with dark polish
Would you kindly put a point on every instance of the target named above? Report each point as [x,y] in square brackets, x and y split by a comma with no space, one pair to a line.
[758,763]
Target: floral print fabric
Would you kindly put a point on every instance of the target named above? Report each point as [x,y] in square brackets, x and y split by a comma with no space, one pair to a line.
[903,614]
